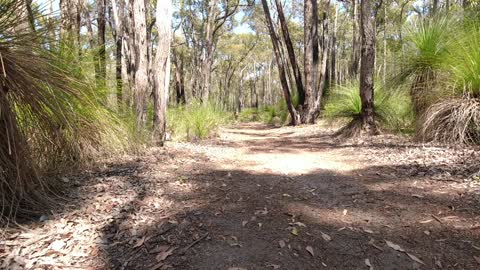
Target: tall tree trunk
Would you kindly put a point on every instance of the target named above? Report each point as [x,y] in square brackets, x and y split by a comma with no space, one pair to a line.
[118,7]
[334,48]
[280,64]
[291,53]
[141,61]
[311,60]
[207,58]
[355,42]
[179,77]
[367,68]
[162,74]
[91,40]
[385,45]
[101,25]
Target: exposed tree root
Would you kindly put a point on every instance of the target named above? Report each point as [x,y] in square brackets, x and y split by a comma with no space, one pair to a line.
[356,128]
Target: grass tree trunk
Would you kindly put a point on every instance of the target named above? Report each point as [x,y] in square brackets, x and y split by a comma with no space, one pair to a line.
[162,74]
[295,119]
[140,52]
[367,68]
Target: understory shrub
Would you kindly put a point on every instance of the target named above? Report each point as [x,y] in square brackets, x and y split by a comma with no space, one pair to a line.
[196,121]
[450,112]
[50,118]
[392,106]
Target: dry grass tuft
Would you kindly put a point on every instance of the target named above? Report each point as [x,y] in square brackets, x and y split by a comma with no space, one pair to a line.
[453,121]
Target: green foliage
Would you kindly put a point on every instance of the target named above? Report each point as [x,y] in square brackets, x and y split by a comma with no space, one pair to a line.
[392,106]
[248,115]
[443,65]
[196,121]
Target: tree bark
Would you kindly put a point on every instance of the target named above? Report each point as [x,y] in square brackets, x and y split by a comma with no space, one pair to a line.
[295,119]
[177,60]
[118,7]
[355,46]
[291,53]
[367,68]
[101,26]
[162,74]
[141,63]
[311,60]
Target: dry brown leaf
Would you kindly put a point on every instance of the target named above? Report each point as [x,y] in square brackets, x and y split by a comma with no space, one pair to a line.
[369,264]
[164,254]
[310,250]
[413,257]
[157,266]
[57,245]
[326,237]
[139,242]
[394,246]
[426,221]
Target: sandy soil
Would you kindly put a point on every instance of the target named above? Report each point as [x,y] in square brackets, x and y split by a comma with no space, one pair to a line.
[258,197]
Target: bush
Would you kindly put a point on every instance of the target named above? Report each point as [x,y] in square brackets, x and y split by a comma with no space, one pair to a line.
[392,107]
[455,116]
[196,121]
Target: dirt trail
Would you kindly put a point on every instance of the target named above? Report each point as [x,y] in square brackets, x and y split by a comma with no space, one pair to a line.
[264,198]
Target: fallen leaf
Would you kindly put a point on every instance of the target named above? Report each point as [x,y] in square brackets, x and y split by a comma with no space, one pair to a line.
[157,266]
[413,257]
[300,224]
[295,231]
[57,245]
[426,221]
[310,250]
[139,242]
[367,263]
[367,231]
[394,246]
[326,237]
[281,243]
[262,212]
[164,254]
[426,232]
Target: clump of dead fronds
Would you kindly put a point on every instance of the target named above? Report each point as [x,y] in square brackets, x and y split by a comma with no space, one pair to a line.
[453,121]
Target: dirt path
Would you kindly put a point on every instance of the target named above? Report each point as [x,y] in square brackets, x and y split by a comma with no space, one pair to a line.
[263,198]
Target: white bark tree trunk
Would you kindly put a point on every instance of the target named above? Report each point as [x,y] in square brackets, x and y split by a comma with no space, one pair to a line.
[162,69]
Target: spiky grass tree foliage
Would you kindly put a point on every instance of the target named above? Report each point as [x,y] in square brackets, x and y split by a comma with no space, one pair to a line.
[39,122]
[392,105]
[456,117]
[427,49]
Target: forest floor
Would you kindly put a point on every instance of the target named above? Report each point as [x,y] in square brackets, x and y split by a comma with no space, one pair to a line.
[259,197]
